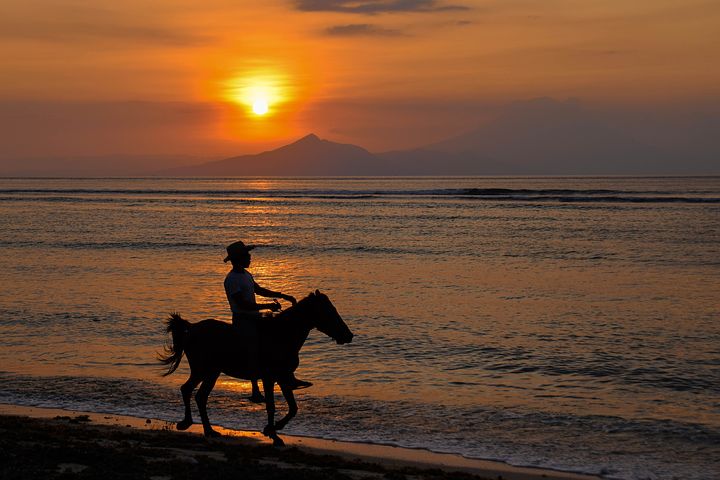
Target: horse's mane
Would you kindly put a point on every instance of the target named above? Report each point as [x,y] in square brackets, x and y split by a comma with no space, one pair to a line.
[290,314]
[291,311]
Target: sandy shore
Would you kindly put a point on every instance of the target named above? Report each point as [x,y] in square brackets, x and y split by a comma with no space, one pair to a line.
[52,443]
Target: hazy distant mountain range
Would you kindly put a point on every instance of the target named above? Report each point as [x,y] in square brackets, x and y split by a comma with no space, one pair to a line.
[538,137]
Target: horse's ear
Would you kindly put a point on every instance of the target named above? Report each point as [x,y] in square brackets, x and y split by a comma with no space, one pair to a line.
[312,294]
[317,292]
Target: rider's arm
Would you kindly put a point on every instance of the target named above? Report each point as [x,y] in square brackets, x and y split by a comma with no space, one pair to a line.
[245,305]
[264,292]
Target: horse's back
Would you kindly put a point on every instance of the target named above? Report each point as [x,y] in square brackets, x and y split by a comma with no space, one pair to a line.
[210,344]
[209,326]
[217,346]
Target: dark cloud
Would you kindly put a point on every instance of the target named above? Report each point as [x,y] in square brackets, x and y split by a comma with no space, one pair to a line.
[372,7]
[361,29]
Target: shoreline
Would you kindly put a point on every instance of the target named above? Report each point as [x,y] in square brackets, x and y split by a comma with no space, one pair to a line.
[383,456]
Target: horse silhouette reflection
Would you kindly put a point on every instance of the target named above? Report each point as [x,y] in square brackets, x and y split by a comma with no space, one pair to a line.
[213,347]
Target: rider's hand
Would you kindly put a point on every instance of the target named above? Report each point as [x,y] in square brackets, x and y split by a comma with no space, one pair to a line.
[275,306]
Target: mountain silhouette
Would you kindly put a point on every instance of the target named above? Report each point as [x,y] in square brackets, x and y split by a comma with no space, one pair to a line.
[536,137]
[545,136]
[310,156]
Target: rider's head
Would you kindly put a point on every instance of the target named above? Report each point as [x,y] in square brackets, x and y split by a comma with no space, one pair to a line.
[239,254]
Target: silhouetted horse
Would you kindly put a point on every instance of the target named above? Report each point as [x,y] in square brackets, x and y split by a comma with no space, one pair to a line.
[213,347]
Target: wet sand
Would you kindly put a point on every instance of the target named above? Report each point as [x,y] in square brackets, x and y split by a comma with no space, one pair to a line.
[53,443]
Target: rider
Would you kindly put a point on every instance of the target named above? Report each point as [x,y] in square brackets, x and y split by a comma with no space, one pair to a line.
[240,288]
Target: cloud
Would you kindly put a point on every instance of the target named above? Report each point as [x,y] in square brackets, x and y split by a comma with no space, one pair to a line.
[361,29]
[372,7]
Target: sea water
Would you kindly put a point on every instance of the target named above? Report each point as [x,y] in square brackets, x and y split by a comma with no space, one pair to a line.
[567,323]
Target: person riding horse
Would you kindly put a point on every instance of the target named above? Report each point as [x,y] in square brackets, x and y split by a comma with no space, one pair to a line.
[213,347]
[241,288]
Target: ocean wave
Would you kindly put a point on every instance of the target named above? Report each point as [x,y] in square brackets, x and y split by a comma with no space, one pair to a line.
[199,246]
[508,194]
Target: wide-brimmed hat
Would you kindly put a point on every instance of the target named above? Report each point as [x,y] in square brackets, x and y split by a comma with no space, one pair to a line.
[236,249]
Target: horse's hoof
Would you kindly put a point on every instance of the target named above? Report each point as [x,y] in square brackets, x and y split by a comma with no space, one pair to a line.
[278,442]
[212,434]
[184,424]
[257,398]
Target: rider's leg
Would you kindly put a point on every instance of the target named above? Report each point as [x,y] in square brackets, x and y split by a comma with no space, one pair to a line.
[295,383]
[248,327]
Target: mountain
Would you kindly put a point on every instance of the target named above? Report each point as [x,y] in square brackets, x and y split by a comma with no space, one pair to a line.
[537,137]
[309,156]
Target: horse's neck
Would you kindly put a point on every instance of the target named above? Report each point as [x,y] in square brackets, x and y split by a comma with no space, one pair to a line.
[296,328]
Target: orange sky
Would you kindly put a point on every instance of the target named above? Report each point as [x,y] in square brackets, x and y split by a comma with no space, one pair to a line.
[382,74]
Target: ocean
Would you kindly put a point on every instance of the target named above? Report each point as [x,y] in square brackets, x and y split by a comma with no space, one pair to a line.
[564,323]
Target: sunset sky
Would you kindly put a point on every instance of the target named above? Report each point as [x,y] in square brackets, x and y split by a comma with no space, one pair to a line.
[97,77]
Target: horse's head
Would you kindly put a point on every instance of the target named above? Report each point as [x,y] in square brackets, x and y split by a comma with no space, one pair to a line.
[327,318]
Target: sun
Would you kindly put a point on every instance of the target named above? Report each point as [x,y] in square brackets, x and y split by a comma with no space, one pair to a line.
[260,106]
[262,94]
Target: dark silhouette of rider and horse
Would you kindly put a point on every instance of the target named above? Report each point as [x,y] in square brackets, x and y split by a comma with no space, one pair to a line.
[213,347]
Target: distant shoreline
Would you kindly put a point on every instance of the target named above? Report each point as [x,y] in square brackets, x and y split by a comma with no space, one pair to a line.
[365,460]
[568,176]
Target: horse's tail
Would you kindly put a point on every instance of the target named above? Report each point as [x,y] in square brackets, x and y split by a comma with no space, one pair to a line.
[173,352]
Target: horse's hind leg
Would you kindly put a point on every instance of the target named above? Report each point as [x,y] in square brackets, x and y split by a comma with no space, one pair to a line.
[269,430]
[201,398]
[287,392]
[186,391]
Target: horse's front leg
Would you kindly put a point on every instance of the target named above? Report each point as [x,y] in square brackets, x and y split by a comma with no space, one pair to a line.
[292,405]
[270,430]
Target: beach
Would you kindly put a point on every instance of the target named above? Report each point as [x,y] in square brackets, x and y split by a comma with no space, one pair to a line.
[87,445]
